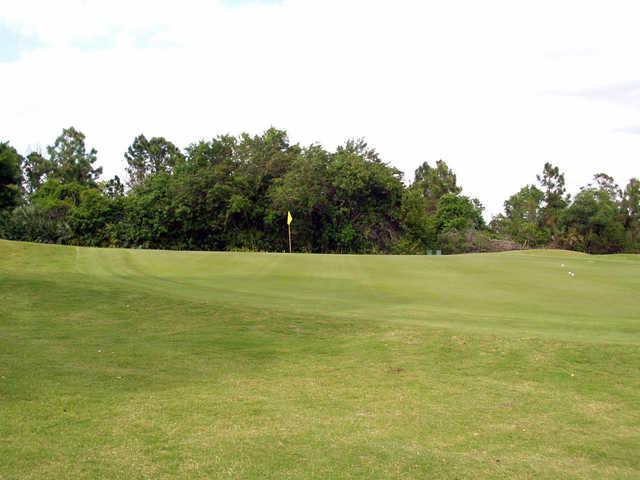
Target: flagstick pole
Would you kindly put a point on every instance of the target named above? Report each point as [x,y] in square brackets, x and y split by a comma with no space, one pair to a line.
[289,226]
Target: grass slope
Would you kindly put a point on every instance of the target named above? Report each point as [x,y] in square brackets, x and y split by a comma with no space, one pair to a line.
[148,364]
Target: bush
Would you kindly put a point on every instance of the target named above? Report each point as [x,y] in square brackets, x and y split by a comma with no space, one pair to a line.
[464,241]
[407,245]
[32,223]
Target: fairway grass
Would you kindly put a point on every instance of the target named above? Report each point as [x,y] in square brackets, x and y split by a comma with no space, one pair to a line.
[152,364]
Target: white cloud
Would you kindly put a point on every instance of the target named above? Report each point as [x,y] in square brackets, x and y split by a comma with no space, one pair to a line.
[469,82]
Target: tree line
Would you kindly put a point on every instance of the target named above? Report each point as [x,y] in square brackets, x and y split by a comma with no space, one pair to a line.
[233,193]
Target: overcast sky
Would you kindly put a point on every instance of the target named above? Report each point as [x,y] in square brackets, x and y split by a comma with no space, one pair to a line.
[495,88]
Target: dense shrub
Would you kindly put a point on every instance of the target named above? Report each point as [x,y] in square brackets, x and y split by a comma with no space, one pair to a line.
[34,223]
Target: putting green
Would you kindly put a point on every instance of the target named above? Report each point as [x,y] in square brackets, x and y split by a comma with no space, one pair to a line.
[152,364]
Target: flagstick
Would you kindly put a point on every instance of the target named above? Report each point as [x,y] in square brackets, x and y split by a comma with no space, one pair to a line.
[289,226]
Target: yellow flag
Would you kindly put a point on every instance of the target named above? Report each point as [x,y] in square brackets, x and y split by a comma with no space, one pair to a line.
[289,218]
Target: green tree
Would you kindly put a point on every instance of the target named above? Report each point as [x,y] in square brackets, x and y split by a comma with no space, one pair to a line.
[522,219]
[595,220]
[216,197]
[419,227]
[435,182]
[96,220]
[207,193]
[630,206]
[367,196]
[10,176]
[608,184]
[149,157]
[555,198]
[306,190]
[70,161]
[113,188]
[150,214]
[259,160]
[36,168]
[460,225]
[347,201]
[457,212]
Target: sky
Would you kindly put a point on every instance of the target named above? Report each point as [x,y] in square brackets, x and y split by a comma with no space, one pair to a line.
[494,88]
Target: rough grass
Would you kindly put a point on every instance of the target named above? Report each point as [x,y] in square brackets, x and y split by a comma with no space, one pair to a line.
[147,364]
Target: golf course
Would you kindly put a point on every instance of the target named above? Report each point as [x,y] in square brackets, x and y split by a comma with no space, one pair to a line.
[137,364]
